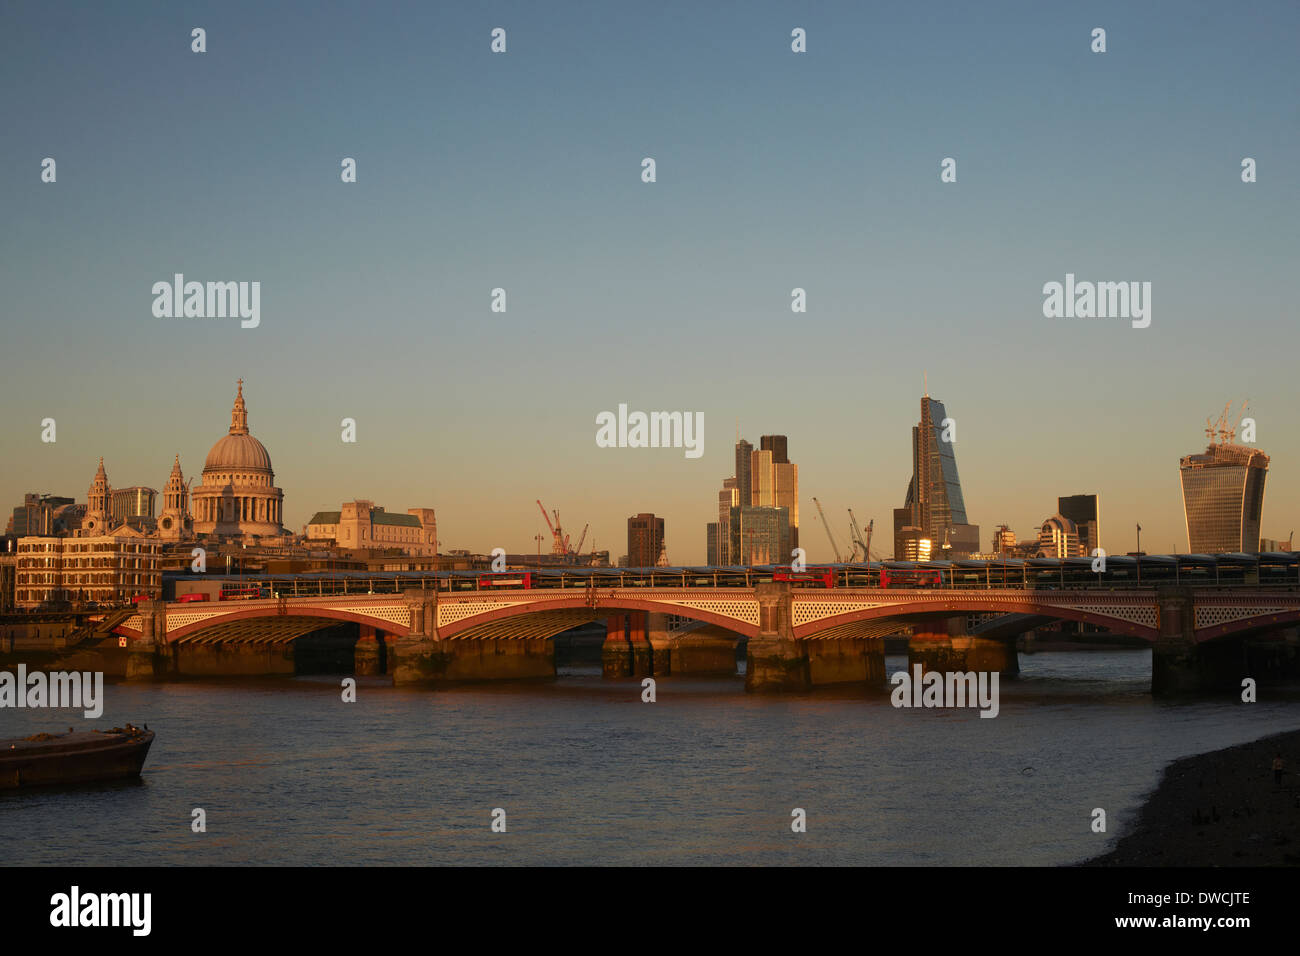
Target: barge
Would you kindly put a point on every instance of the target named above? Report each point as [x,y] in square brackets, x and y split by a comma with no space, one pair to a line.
[75,757]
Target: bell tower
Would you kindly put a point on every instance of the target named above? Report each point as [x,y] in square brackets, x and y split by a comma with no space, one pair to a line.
[175,522]
[98,498]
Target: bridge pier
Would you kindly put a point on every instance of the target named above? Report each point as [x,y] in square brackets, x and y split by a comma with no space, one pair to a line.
[148,657]
[627,651]
[704,655]
[368,656]
[1177,665]
[661,645]
[846,661]
[419,657]
[775,661]
[945,646]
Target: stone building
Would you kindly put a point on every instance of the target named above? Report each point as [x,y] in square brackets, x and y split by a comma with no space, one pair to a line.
[108,569]
[361,524]
[237,497]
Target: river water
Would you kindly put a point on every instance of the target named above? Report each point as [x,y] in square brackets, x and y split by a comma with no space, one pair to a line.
[287,773]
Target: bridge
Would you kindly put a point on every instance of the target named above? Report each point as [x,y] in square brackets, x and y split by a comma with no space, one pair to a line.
[797,637]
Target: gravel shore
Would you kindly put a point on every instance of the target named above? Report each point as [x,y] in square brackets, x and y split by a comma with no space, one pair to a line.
[1220,809]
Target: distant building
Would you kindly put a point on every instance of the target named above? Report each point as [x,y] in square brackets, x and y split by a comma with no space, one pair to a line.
[774,481]
[362,524]
[108,569]
[711,544]
[744,454]
[766,482]
[134,502]
[1223,496]
[1004,541]
[728,498]
[1059,538]
[237,496]
[759,535]
[176,523]
[645,540]
[934,508]
[1085,512]
[8,579]
[1276,545]
[36,515]
[910,544]
[776,444]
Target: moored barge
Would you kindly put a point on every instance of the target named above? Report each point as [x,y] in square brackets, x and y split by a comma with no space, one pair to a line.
[75,757]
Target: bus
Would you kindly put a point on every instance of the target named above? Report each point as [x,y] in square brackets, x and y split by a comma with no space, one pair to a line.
[189,598]
[506,579]
[910,578]
[250,593]
[807,578]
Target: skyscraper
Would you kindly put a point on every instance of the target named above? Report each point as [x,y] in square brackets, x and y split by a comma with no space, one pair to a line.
[763,493]
[775,480]
[1223,496]
[933,508]
[1085,512]
[776,444]
[645,540]
[759,535]
[743,452]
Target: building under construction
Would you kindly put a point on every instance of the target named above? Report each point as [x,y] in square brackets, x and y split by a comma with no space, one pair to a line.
[1223,492]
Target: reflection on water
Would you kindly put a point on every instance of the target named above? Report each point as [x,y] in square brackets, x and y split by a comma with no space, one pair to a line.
[587,773]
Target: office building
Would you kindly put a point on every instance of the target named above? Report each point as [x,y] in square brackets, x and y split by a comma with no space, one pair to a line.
[933,509]
[645,540]
[1058,537]
[1085,512]
[1223,496]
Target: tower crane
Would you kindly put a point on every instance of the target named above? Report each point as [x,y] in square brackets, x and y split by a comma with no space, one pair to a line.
[857,535]
[557,533]
[834,547]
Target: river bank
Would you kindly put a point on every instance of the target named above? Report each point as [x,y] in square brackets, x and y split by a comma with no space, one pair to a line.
[1220,809]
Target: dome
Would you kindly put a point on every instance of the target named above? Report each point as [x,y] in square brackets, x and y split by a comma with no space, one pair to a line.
[238,450]
[238,453]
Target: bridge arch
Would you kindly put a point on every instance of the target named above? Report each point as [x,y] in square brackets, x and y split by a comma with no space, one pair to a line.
[559,614]
[936,605]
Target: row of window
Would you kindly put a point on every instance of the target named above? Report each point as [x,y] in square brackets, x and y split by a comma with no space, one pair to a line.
[59,546]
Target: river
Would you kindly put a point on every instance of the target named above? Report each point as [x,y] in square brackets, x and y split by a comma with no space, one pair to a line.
[288,773]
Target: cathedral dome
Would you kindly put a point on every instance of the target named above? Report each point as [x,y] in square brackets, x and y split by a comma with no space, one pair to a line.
[238,450]
[238,453]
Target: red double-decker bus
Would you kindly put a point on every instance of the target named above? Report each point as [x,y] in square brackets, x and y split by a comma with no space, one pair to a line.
[910,578]
[506,579]
[807,578]
[191,597]
[241,594]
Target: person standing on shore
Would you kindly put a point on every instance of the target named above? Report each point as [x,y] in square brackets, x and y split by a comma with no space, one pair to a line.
[1279,766]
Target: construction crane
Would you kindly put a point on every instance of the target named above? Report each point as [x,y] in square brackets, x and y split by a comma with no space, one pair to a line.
[857,536]
[581,538]
[1225,434]
[558,541]
[825,524]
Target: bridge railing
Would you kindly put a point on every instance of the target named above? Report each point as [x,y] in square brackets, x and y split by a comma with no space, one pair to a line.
[1024,576]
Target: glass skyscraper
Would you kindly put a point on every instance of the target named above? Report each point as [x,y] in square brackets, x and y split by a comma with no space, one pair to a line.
[934,508]
[1223,498]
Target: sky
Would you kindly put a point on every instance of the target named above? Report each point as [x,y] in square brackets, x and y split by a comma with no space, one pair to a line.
[775,170]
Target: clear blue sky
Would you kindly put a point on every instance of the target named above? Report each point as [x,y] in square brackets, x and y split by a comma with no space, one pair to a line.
[775,170]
